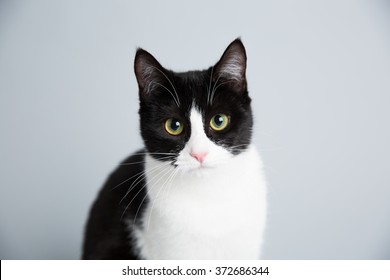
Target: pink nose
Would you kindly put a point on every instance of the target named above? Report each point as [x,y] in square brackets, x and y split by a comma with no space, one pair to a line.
[199,156]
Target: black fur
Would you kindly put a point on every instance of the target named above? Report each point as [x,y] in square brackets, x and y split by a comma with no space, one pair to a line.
[107,236]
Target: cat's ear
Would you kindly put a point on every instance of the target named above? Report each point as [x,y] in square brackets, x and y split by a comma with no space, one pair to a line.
[231,67]
[148,71]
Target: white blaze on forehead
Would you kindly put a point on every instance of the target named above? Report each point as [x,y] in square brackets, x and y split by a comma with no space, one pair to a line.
[198,142]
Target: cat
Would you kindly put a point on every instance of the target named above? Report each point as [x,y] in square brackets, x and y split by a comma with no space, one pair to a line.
[197,189]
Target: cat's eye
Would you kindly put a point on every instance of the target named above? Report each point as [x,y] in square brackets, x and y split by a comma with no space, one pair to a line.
[173,126]
[219,122]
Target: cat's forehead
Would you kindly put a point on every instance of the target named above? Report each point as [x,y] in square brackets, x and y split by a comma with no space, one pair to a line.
[192,78]
[195,90]
[192,88]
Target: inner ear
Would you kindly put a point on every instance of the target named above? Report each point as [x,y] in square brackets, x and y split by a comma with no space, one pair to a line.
[231,68]
[148,72]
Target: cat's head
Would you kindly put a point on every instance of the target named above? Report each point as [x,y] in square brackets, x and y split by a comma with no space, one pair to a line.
[198,119]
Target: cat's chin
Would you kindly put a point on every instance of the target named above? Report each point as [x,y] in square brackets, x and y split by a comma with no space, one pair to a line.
[200,170]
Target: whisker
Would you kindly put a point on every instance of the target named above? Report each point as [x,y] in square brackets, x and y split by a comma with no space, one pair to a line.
[241,145]
[140,178]
[169,82]
[137,174]
[128,205]
[174,98]
[177,170]
[212,91]
[138,162]
[149,153]
[259,149]
[217,88]
[127,180]
[165,189]
[168,180]
[166,171]
[209,87]
[131,163]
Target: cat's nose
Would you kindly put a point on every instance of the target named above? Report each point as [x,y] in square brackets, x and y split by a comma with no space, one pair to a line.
[199,156]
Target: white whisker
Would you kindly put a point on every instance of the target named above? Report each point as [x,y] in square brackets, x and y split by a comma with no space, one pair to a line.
[140,178]
[168,180]
[138,162]
[143,171]
[128,205]
[174,98]
[149,153]
[166,170]
[177,171]
[169,82]
[212,91]
[215,89]
[209,87]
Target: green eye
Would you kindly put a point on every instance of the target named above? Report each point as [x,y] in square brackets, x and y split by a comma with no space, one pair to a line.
[219,122]
[173,126]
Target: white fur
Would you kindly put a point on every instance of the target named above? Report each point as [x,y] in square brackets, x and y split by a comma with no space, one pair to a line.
[214,210]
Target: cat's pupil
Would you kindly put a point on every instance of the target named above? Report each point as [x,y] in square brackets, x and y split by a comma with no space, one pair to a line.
[175,125]
[218,120]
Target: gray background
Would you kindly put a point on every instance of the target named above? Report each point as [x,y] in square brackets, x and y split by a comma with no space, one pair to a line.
[319,75]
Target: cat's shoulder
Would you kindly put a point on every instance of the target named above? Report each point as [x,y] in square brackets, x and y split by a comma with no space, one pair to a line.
[124,174]
[134,163]
[106,235]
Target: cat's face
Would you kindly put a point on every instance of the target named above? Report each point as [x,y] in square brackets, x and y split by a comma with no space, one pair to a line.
[196,120]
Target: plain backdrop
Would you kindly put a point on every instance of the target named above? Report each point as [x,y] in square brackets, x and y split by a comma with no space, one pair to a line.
[318,74]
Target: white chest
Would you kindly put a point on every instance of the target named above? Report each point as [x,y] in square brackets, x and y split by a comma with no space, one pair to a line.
[220,215]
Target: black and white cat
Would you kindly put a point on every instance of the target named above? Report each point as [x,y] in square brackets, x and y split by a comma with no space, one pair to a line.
[197,190]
